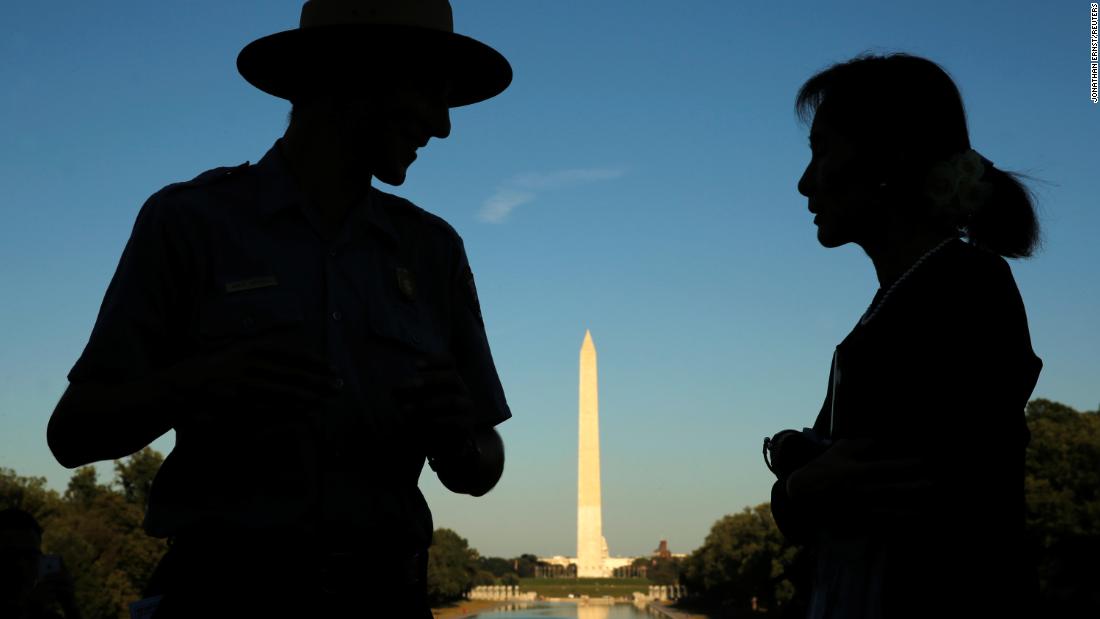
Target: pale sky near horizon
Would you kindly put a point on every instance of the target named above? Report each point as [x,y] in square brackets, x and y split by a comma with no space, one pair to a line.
[638,179]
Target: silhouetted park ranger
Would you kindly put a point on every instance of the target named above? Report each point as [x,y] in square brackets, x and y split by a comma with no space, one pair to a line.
[310,338]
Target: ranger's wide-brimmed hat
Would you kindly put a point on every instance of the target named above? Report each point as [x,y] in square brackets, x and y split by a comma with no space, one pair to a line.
[343,43]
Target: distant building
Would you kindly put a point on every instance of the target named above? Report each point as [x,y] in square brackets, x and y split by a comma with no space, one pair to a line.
[662,552]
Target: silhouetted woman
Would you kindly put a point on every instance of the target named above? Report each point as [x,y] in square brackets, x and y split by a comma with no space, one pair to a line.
[909,489]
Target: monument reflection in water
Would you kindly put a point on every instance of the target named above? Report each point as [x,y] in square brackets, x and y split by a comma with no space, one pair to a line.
[548,610]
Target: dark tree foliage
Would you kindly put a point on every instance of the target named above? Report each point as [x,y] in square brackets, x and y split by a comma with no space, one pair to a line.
[1063,499]
[452,567]
[525,565]
[743,557]
[497,566]
[96,528]
[496,571]
[1063,472]
[135,474]
[660,570]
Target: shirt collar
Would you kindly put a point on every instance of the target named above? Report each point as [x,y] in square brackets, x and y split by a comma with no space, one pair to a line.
[279,191]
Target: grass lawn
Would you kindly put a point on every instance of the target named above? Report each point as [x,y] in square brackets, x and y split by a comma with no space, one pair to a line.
[592,587]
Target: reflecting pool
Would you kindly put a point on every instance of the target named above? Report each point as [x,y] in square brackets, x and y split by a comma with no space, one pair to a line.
[558,610]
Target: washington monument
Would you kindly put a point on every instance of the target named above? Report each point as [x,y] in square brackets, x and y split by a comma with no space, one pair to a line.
[591,545]
[592,558]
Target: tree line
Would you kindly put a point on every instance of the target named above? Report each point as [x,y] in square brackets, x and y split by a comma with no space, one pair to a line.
[745,561]
[96,528]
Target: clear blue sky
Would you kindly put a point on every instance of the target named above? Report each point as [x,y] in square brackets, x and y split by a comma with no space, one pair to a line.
[645,160]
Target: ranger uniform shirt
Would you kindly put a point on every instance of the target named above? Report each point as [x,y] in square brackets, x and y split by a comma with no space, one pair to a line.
[238,251]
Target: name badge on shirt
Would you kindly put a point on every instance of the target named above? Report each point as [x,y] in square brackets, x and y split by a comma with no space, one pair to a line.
[251,283]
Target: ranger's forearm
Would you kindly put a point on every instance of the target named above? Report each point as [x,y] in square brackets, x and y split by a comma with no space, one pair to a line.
[97,421]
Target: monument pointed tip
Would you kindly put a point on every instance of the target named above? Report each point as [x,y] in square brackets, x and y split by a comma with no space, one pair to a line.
[587,337]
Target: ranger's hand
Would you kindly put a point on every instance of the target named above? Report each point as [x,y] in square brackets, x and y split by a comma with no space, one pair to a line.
[437,404]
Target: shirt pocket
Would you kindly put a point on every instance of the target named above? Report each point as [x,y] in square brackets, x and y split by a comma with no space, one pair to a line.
[402,334]
[266,455]
[403,327]
[399,335]
[228,318]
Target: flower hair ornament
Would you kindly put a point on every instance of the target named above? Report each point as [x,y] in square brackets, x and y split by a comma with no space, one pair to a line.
[955,185]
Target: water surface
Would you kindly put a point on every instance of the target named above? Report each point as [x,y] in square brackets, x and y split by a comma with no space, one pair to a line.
[557,610]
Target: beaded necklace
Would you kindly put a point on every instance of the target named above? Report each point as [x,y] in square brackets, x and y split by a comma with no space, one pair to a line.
[871,311]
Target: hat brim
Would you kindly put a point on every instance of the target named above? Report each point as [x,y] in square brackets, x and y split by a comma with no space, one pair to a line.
[296,63]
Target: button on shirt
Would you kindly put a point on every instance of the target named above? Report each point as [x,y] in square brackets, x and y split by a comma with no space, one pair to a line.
[238,251]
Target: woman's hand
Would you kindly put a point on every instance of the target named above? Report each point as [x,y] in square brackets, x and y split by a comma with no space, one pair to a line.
[859,475]
[790,450]
[828,474]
